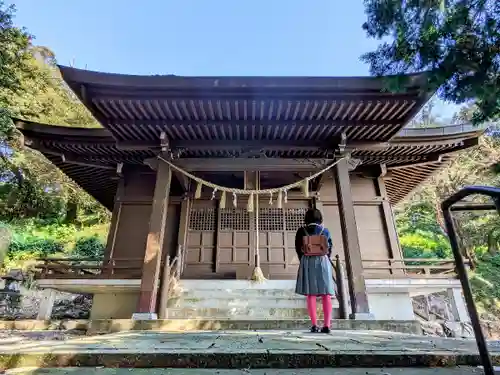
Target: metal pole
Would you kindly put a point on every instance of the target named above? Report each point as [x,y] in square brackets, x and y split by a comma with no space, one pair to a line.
[462,271]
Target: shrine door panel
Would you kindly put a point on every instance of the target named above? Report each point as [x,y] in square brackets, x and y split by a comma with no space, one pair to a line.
[200,240]
[234,242]
[277,229]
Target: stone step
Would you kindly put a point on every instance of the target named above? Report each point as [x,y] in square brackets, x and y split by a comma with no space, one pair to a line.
[245,285]
[241,313]
[233,293]
[242,350]
[266,303]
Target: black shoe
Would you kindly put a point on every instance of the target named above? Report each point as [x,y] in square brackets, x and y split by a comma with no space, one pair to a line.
[325,330]
[314,329]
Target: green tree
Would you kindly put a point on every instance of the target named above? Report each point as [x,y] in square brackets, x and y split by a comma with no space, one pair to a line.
[457,41]
[31,87]
[14,57]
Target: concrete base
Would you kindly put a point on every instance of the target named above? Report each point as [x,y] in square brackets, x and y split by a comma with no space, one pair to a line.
[46,304]
[144,316]
[388,299]
[362,316]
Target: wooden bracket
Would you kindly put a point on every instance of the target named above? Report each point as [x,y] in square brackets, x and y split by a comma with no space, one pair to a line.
[164,142]
[343,142]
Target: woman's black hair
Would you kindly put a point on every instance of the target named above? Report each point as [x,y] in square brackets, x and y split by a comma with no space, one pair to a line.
[313,216]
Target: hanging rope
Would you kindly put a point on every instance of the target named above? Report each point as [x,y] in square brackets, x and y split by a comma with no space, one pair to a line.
[235,191]
[253,200]
[257,274]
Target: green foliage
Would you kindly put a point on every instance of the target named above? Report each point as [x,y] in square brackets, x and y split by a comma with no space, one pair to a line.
[457,41]
[35,238]
[31,87]
[13,60]
[89,247]
[485,283]
[44,213]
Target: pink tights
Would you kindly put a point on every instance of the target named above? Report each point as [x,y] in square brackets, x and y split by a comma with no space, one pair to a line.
[327,309]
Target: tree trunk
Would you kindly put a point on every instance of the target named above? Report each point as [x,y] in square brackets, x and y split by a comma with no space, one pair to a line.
[492,243]
[71,212]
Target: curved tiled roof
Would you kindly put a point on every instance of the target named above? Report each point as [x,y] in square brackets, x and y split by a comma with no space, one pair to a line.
[139,108]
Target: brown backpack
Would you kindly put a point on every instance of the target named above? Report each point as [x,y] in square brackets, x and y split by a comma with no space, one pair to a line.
[314,245]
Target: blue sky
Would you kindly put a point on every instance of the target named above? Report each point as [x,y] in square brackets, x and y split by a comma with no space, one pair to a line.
[204,37]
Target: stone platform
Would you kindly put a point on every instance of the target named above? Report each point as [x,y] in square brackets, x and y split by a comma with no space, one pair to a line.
[236,350]
[461,370]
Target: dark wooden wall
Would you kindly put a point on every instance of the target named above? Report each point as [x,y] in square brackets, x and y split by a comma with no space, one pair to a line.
[220,243]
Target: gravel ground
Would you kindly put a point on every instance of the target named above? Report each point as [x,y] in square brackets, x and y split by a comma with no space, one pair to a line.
[40,335]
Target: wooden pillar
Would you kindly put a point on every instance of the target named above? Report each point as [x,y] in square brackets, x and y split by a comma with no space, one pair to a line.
[115,221]
[354,266]
[146,307]
[183,226]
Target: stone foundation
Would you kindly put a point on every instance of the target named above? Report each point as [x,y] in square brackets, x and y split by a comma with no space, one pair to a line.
[27,306]
[175,325]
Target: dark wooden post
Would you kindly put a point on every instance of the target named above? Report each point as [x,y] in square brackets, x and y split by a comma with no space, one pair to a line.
[115,221]
[354,265]
[146,307]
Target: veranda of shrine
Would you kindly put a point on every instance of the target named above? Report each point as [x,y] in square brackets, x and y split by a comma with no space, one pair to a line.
[246,133]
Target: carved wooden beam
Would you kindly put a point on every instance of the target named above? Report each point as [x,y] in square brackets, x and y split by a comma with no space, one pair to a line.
[260,164]
[273,145]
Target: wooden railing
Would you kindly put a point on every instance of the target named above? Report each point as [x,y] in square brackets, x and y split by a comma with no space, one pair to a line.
[341,287]
[89,268]
[411,267]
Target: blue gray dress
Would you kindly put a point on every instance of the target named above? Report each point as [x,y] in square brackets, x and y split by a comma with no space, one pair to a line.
[315,272]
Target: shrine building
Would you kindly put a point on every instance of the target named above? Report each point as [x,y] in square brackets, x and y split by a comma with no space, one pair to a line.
[179,248]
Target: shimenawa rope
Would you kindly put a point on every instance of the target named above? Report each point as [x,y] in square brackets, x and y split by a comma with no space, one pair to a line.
[257,274]
[250,191]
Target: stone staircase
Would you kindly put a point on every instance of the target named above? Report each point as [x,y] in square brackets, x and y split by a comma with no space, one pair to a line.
[240,300]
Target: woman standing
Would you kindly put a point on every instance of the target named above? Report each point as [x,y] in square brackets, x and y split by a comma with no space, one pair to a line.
[313,244]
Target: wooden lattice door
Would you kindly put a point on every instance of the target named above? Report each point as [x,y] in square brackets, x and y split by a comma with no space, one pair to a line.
[277,228]
[220,242]
[234,242]
[201,240]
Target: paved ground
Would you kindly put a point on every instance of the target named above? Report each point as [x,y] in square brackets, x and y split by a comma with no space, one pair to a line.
[237,349]
[328,371]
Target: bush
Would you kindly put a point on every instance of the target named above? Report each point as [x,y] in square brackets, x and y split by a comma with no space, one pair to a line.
[19,249]
[424,245]
[89,247]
